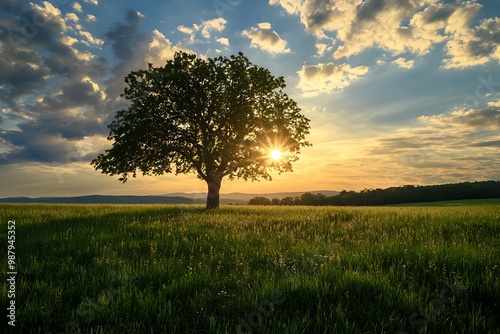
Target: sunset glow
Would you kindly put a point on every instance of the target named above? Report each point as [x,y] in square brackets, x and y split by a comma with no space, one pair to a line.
[275,155]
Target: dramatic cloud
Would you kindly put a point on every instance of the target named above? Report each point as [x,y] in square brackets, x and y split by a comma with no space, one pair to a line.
[475,46]
[57,100]
[265,38]
[401,26]
[326,78]
[461,144]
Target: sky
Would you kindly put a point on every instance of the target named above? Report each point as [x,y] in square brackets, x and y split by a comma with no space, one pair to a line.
[398,91]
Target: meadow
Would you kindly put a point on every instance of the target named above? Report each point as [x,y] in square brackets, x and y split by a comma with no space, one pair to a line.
[242,269]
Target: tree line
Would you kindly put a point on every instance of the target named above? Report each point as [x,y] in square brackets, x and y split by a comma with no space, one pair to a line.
[392,195]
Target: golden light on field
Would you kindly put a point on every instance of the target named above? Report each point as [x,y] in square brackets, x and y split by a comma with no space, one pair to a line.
[275,155]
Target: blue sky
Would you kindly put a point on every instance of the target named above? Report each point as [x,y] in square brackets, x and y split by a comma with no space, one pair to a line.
[398,92]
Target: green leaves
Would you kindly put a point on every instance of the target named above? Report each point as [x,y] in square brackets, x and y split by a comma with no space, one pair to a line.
[216,116]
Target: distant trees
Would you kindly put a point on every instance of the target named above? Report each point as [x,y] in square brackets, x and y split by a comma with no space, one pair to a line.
[393,195]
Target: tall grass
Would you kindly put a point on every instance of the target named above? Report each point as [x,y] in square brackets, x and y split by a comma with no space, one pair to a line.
[179,269]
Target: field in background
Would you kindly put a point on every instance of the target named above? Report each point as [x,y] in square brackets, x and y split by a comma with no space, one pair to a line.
[179,269]
[484,201]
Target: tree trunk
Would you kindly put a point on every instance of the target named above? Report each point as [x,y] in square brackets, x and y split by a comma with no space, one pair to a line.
[213,192]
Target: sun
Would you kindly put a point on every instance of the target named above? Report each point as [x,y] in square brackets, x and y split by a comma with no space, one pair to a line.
[275,155]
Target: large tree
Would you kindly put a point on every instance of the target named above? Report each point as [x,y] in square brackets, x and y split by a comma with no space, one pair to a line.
[221,117]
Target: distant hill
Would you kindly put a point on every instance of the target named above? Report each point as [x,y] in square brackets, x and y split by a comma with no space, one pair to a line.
[101,199]
[172,198]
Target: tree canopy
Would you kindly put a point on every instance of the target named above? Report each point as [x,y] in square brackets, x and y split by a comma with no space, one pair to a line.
[219,117]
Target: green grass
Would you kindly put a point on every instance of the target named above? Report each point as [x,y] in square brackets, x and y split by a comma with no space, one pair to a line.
[179,269]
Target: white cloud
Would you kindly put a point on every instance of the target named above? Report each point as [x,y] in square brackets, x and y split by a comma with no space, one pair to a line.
[68,40]
[326,78]
[94,2]
[322,48]
[89,39]
[413,26]
[91,18]
[160,49]
[51,12]
[71,17]
[403,63]
[77,7]
[495,103]
[223,41]
[265,38]
[207,27]
[472,119]
[475,46]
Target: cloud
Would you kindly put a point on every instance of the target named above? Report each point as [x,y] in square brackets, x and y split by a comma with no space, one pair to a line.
[402,26]
[322,48]
[89,40]
[206,28]
[72,17]
[403,63]
[223,41]
[458,146]
[94,2]
[494,103]
[77,7]
[326,78]
[56,101]
[265,38]
[475,46]
[91,18]
[473,119]
[160,49]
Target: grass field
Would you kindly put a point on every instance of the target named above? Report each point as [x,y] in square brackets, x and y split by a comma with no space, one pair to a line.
[179,269]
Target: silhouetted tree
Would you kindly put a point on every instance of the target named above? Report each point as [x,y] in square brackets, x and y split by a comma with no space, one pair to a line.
[216,117]
[275,201]
[260,200]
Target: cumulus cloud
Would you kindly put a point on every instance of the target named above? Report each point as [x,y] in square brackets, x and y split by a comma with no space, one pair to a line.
[326,78]
[57,100]
[89,40]
[77,7]
[205,28]
[72,17]
[475,46]
[322,48]
[217,24]
[94,2]
[265,38]
[403,63]
[401,26]
[223,41]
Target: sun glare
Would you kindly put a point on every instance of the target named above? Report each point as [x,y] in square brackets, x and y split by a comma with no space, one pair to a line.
[276,155]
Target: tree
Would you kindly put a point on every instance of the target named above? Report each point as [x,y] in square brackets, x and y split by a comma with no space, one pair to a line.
[218,117]
[259,200]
